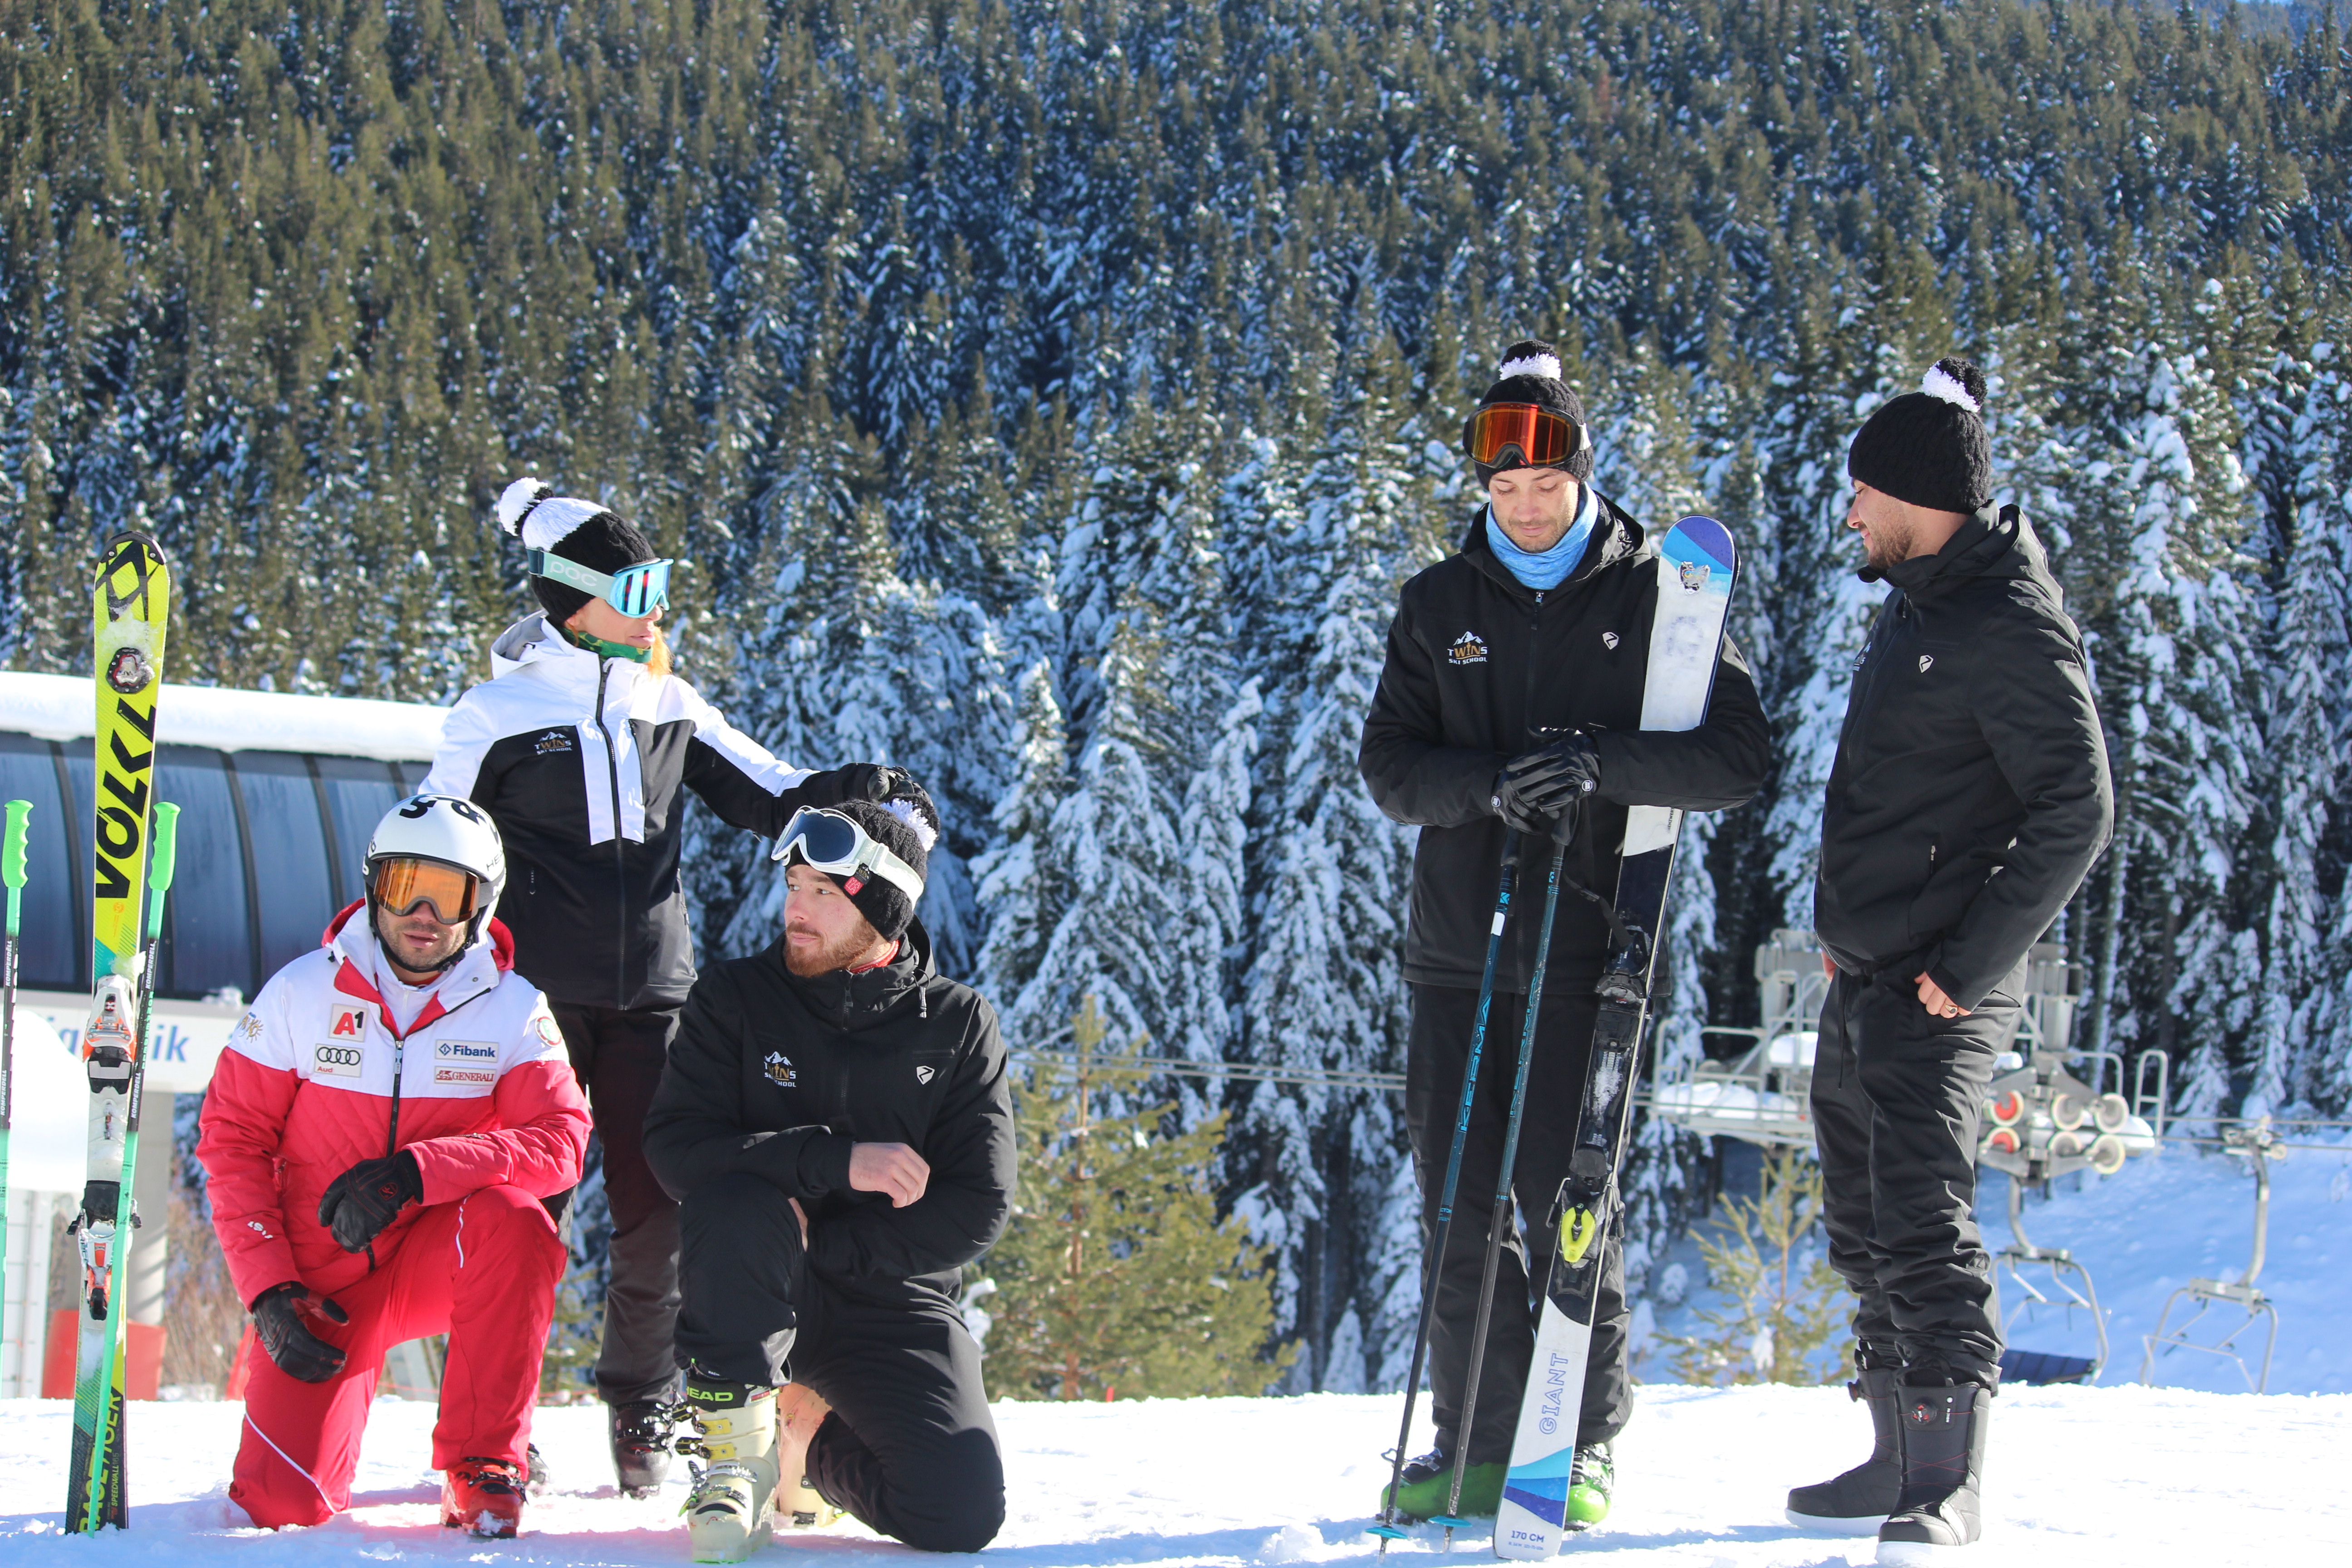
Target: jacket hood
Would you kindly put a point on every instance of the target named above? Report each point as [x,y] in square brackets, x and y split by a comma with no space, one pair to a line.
[853,1002]
[1997,542]
[1615,537]
[532,641]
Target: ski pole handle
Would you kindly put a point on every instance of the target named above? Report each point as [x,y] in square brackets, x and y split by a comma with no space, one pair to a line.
[12,854]
[161,855]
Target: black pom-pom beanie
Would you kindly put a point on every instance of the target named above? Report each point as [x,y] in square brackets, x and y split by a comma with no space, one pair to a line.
[1930,446]
[582,532]
[1531,373]
[884,903]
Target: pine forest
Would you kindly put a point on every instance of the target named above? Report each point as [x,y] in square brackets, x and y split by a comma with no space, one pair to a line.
[1050,396]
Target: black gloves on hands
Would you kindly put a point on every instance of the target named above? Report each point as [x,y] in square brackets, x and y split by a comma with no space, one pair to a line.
[859,781]
[361,1202]
[1535,787]
[278,1323]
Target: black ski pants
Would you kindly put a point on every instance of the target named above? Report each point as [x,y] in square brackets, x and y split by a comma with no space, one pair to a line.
[910,1448]
[1898,1097]
[1437,1051]
[617,1054]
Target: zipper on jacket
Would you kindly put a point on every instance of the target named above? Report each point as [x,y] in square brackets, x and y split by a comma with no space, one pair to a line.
[620,859]
[392,1132]
[1528,698]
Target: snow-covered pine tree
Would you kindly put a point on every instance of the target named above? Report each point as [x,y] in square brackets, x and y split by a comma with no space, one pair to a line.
[1324,990]
[2156,542]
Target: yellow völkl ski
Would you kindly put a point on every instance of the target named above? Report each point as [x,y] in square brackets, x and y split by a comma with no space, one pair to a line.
[133,604]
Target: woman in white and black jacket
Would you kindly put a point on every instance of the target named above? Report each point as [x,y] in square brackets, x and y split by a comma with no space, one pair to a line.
[579,745]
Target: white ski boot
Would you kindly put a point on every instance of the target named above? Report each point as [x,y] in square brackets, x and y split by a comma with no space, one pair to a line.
[800,1411]
[729,1512]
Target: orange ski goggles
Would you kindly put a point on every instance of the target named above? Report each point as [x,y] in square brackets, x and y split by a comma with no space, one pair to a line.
[1541,438]
[401,884]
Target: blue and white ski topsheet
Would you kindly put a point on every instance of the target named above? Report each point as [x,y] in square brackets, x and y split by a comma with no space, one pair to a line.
[1697,566]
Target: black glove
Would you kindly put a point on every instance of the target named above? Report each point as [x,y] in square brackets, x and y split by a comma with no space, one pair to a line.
[361,1202]
[1534,787]
[859,781]
[278,1323]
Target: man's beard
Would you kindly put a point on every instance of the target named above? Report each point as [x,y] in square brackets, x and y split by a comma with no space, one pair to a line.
[808,963]
[1886,546]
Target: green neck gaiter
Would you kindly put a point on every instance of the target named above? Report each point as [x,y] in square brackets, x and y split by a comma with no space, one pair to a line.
[603,649]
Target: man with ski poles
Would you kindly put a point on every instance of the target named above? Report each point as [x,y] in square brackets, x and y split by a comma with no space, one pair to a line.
[1968,800]
[1513,690]
[377,1140]
[580,745]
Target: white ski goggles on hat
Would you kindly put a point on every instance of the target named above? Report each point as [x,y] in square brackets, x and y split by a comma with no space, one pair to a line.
[836,845]
[634,591]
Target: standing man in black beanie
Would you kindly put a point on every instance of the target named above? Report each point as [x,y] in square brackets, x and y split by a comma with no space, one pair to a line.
[836,1122]
[578,746]
[1968,800]
[1513,691]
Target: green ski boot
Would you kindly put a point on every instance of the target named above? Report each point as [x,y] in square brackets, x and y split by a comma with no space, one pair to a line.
[1589,1483]
[1422,1492]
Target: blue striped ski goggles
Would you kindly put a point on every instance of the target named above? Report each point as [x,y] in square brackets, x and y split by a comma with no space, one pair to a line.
[634,591]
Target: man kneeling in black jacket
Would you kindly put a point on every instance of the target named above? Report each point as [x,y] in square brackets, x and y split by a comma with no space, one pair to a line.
[835,1121]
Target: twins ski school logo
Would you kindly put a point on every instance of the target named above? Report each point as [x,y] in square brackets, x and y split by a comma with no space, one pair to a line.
[1469,649]
[780,1070]
[1926,662]
[552,743]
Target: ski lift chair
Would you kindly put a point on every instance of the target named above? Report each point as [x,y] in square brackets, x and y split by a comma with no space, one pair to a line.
[2260,1145]
[1763,1096]
[2043,1121]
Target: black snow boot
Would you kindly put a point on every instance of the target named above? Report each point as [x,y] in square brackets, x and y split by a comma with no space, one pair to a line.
[1943,1465]
[1857,1502]
[640,1432]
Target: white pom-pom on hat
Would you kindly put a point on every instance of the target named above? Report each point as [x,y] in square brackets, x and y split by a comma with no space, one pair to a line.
[1545,366]
[530,511]
[516,501]
[1941,383]
[905,811]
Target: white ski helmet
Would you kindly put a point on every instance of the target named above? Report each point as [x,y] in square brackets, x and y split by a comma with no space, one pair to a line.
[447,830]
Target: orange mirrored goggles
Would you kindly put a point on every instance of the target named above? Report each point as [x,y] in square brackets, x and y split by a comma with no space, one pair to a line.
[401,884]
[1542,438]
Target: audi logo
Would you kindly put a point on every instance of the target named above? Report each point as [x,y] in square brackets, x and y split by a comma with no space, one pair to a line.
[340,1056]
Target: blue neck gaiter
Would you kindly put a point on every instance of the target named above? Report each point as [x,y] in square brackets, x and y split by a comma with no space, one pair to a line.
[1548,570]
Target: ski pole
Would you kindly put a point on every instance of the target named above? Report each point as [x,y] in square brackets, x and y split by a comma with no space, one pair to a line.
[1387,1529]
[1562,832]
[12,873]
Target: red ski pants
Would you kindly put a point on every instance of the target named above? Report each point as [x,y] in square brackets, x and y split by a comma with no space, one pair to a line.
[482,1270]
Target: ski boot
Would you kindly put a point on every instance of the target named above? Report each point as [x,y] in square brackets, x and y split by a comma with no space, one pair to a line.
[484,1498]
[729,1513]
[800,1411]
[1857,1502]
[640,1437]
[1943,1465]
[1589,1482]
[1421,1491]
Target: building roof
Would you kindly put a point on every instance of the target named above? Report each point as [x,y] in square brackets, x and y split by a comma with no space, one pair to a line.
[62,708]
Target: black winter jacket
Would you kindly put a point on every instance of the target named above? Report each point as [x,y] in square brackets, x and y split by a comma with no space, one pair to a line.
[1970,792]
[579,761]
[779,1075]
[1477,662]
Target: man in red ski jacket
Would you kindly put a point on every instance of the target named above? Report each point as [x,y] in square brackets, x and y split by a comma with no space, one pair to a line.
[377,1139]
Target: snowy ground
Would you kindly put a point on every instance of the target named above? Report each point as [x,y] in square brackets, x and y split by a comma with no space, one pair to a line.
[2081,1477]
[2166,1218]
